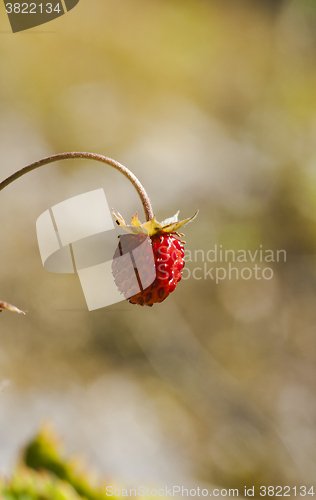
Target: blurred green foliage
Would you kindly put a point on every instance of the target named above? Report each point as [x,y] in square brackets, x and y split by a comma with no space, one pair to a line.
[30,485]
[45,475]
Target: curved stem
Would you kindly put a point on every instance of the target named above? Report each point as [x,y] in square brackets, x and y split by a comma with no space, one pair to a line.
[88,156]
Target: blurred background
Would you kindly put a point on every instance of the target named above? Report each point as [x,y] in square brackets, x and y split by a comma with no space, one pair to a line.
[212,105]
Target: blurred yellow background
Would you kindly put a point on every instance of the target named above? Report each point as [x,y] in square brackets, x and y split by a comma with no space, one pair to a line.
[212,105]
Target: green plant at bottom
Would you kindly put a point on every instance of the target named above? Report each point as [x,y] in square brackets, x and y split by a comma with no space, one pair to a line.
[43,474]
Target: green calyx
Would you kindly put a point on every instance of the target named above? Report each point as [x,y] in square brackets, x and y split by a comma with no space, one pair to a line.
[153,227]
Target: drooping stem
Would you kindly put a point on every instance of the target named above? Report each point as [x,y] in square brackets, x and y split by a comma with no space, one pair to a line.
[88,156]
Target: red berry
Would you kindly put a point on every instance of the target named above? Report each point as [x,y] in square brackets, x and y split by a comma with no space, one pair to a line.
[168,256]
[168,252]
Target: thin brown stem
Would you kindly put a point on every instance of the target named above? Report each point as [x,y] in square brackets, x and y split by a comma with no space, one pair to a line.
[88,156]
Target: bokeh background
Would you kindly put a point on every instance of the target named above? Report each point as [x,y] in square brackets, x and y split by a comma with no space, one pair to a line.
[212,105]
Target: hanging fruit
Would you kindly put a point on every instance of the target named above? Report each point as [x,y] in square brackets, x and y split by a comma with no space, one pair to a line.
[165,240]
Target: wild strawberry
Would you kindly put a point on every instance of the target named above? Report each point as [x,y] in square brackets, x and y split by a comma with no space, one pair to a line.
[168,252]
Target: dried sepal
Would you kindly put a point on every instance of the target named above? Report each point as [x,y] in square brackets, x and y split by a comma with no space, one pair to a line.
[119,219]
[171,226]
[135,220]
[153,227]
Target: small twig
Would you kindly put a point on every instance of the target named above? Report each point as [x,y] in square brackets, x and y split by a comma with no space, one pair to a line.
[9,307]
